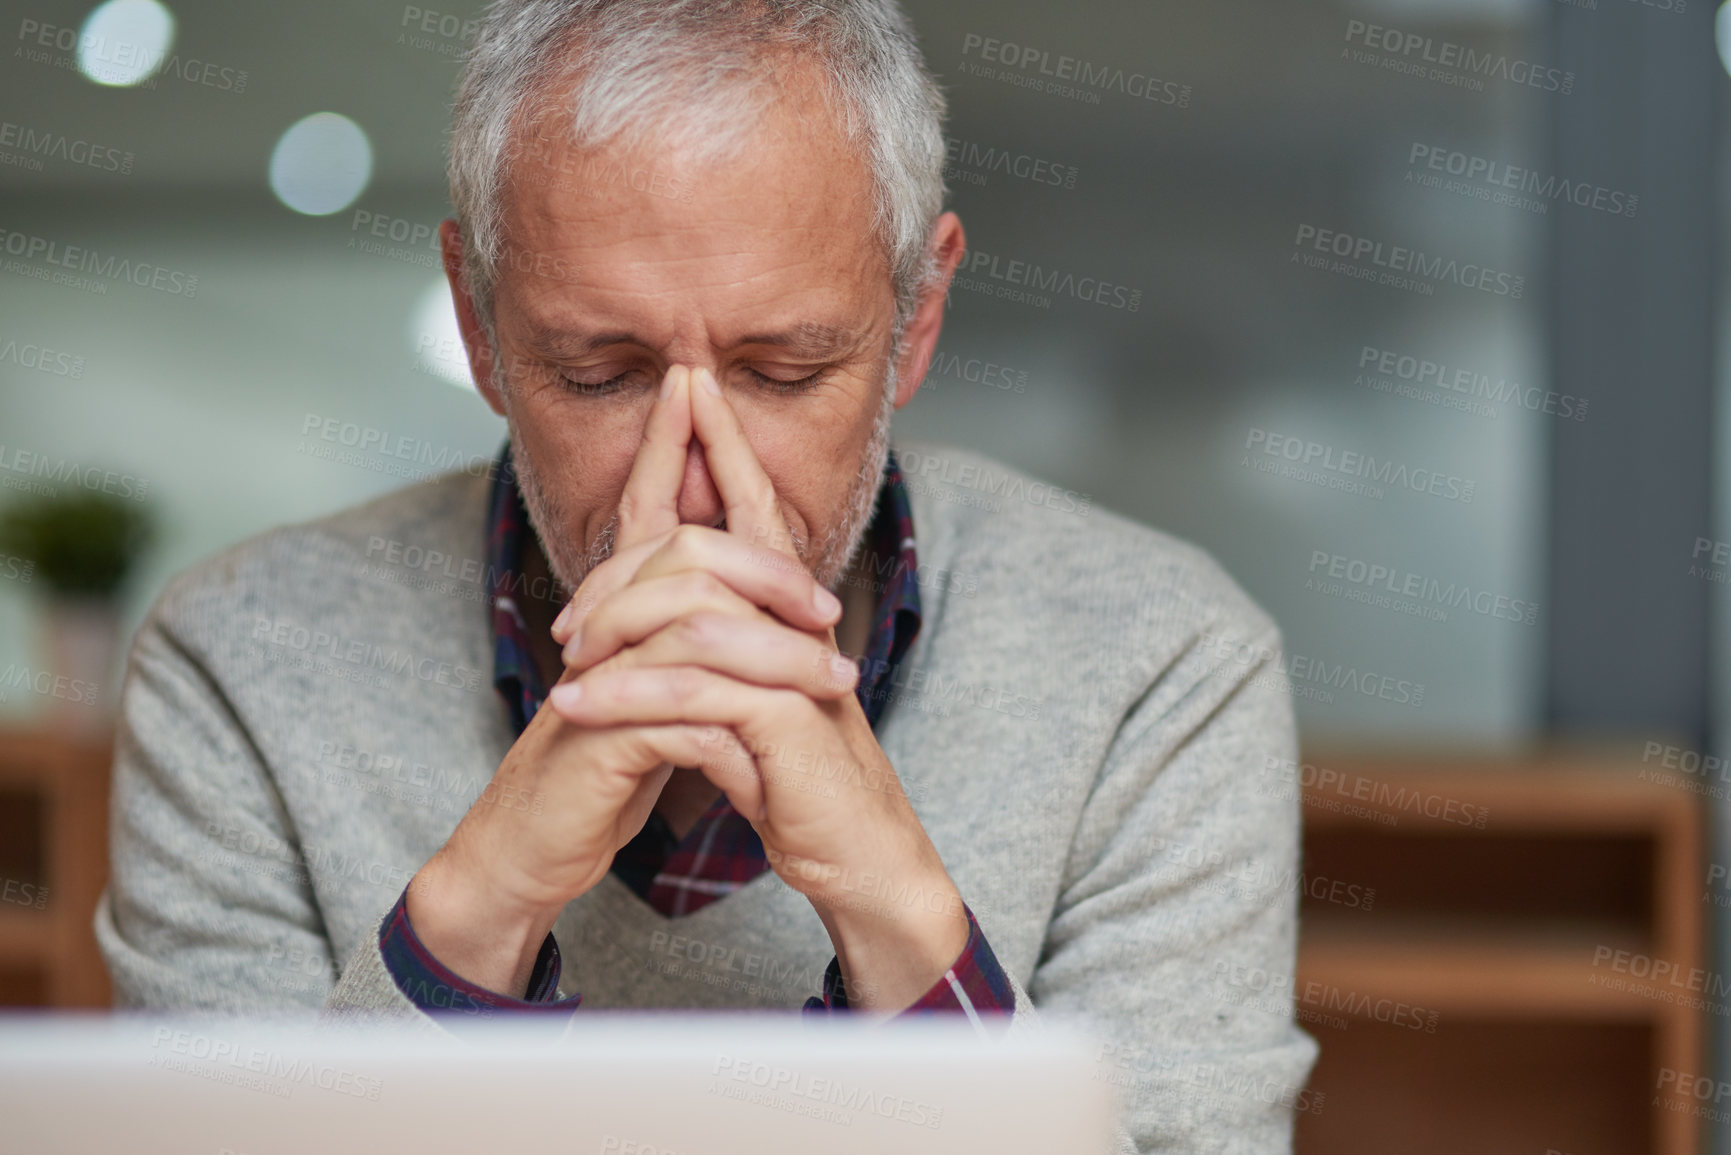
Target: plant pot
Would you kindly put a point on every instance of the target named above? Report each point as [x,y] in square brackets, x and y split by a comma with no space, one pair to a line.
[83,640]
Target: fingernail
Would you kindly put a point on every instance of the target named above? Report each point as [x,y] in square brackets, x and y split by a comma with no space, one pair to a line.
[569,654]
[708,381]
[667,383]
[842,666]
[826,602]
[564,616]
[565,695]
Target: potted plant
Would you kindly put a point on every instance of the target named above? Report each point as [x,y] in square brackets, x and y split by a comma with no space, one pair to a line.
[81,546]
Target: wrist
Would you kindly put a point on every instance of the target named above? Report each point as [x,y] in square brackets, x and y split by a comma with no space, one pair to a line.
[474,931]
[894,942]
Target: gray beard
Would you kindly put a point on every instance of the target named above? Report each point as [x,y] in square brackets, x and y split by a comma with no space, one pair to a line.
[828,561]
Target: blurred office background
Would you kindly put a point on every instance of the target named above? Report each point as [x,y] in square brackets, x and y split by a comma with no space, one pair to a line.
[1544,378]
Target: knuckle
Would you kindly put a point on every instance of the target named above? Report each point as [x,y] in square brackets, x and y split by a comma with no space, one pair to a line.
[589,594]
[687,681]
[598,622]
[698,631]
[706,587]
[624,658]
[687,541]
[624,688]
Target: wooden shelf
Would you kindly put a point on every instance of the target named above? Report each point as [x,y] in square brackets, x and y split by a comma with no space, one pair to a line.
[26,937]
[37,758]
[1546,972]
[1572,793]
[1504,892]
[65,780]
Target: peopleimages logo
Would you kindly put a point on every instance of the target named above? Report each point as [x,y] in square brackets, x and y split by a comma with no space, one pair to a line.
[1283,990]
[38,145]
[27,464]
[1328,463]
[420,457]
[798,1085]
[977,370]
[1501,183]
[420,238]
[1390,587]
[85,260]
[972,162]
[48,684]
[1396,265]
[1455,387]
[370,655]
[1304,671]
[1718,565]
[40,41]
[1023,280]
[1389,800]
[42,359]
[1446,61]
[1069,76]
[457,31]
[928,468]
[190,1052]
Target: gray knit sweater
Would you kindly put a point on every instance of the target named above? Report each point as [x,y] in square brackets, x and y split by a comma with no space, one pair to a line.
[1084,725]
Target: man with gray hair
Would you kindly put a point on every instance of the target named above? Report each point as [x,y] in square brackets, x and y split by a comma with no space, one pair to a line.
[723,732]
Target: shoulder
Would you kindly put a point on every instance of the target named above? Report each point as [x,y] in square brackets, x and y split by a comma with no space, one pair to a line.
[1047,556]
[432,529]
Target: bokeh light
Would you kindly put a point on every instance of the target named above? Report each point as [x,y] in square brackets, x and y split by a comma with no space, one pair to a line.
[321,164]
[124,42]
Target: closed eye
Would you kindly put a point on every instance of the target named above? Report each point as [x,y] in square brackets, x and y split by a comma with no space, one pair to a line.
[777,385]
[597,388]
[622,381]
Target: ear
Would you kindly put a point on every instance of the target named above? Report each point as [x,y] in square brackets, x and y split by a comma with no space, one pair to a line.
[475,341]
[920,341]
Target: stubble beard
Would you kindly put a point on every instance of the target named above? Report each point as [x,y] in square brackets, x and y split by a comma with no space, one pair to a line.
[828,562]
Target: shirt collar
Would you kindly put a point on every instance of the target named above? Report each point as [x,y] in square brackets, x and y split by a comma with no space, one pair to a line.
[890,565]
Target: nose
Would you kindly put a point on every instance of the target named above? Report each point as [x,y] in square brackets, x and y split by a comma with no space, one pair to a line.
[699,500]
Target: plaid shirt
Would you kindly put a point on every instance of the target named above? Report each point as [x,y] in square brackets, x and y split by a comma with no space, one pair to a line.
[721,852]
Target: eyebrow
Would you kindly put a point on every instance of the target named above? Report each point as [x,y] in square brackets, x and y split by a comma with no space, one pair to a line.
[809,338]
[562,343]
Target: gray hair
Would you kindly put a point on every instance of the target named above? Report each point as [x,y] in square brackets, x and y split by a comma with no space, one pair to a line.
[693,71]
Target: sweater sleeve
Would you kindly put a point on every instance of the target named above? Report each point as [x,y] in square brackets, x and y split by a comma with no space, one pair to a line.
[437,989]
[1182,873]
[209,905]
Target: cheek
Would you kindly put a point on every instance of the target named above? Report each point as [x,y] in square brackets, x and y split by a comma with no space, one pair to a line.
[810,449]
[585,451]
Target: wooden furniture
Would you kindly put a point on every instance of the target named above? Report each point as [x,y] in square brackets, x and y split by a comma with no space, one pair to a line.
[1541,920]
[53,864]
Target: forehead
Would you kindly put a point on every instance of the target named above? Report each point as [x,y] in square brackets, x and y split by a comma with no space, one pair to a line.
[640,233]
